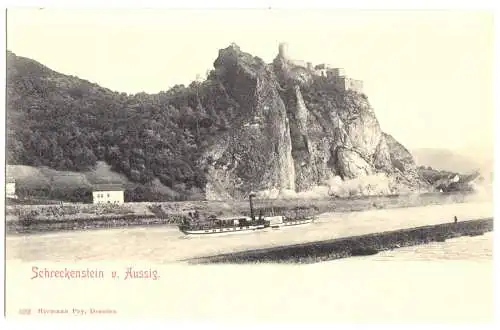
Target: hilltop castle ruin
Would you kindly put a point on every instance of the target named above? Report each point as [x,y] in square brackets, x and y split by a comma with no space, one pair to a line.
[335,75]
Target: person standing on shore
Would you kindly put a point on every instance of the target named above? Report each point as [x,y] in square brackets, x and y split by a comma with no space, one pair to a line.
[456,219]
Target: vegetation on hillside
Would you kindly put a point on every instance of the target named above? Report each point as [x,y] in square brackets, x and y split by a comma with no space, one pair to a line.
[443,180]
[67,123]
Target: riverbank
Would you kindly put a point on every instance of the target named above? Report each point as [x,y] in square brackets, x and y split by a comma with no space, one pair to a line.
[21,219]
[354,246]
[166,244]
[41,226]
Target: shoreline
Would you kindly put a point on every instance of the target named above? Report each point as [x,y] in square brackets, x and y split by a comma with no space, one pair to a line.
[14,228]
[167,244]
[136,215]
[353,246]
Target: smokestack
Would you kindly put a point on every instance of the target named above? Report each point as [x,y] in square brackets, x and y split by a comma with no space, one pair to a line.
[252,215]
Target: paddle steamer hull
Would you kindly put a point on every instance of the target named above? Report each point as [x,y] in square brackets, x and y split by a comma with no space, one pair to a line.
[222,230]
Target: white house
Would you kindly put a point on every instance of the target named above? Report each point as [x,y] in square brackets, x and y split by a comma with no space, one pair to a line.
[10,188]
[108,194]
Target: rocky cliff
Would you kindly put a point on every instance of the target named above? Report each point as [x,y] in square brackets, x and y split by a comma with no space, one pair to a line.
[297,130]
[275,128]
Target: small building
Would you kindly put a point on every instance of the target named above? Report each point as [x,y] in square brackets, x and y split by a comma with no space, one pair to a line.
[10,187]
[108,194]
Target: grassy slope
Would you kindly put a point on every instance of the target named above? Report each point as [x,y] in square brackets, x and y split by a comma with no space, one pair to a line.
[39,177]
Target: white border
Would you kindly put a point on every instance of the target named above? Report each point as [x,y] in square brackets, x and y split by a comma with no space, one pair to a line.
[338,4]
[352,4]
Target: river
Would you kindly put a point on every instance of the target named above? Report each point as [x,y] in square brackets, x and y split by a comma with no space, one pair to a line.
[448,281]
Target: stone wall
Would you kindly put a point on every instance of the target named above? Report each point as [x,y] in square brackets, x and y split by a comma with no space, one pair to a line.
[345,83]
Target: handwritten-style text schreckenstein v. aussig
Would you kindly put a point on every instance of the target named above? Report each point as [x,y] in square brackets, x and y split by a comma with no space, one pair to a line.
[130,273]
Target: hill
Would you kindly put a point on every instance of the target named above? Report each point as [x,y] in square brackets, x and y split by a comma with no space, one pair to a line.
[455,161]
[37,177]
[250,126]
[69,124]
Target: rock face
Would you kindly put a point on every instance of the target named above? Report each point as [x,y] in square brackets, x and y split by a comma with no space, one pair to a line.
[296,130]
[282,128]
[257,153]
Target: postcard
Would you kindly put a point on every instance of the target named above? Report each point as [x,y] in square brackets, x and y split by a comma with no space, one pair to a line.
[249,166]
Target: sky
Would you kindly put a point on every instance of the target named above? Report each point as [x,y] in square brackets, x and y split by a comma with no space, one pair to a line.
[427,74]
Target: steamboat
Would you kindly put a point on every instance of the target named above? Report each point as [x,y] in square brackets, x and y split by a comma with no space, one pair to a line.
[215,225]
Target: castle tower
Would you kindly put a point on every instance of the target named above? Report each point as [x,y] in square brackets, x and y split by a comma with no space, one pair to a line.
[283,50]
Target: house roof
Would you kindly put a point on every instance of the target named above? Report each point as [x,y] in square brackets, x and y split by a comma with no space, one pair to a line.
[107,187]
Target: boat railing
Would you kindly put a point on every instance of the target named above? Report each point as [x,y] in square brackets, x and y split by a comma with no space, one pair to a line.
[218,223]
